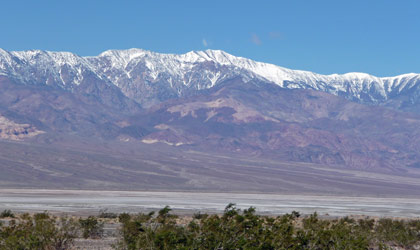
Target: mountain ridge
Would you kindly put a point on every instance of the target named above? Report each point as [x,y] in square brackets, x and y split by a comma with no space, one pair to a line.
[135,71]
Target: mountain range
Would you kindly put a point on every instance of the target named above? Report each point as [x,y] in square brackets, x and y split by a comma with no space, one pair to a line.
[149,78]
[211,101]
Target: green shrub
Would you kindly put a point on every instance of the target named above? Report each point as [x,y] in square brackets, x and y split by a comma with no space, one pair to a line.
[396,233]
[7,214]
[124,217]
[234,229]
[40,231]
[91,227]
[244,229]
[107,215]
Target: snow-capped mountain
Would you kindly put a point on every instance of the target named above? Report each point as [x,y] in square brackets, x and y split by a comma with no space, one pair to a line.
[211,100]
[149,78]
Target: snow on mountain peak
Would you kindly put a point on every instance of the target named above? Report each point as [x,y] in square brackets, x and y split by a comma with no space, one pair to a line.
[131,69]
[125,55]
[44,67]
[182,67]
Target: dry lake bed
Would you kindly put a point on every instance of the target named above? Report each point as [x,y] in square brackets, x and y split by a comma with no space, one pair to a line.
[91,202]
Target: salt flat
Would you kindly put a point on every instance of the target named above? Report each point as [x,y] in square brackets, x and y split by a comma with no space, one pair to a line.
[90,202]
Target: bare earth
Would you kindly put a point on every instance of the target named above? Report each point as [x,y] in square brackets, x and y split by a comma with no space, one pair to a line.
[80,202]
[54,178]
[141,167]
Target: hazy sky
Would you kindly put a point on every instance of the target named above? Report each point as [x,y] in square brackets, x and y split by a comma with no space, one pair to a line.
[381,37]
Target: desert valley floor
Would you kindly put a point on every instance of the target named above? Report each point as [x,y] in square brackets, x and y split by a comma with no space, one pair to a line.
[91,202]
[84,179]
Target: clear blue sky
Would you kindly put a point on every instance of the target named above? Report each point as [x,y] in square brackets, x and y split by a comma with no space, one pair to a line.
[381,37]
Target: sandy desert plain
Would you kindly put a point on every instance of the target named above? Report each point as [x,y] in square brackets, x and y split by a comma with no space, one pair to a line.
[82,180]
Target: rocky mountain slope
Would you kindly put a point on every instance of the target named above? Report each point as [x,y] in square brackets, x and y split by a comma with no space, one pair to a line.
[14,131]
[295,125]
